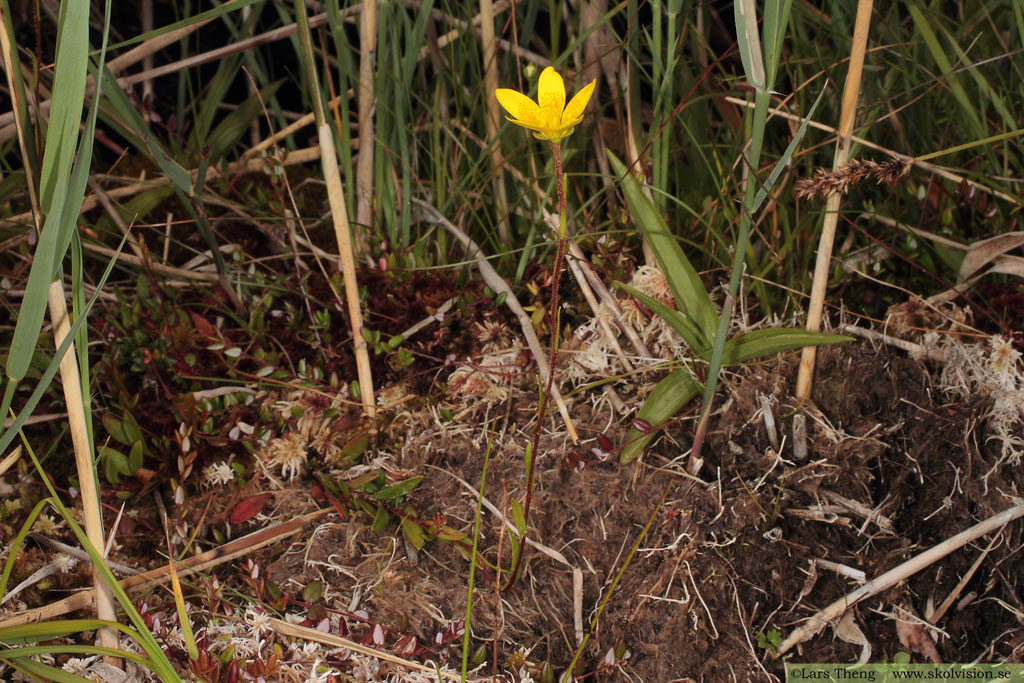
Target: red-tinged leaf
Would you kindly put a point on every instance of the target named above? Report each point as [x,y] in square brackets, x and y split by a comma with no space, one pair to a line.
[203,326]
[378,635]
[317,493]
[641,425]
[342,512]
[249,508]
[605,443]
[406,645]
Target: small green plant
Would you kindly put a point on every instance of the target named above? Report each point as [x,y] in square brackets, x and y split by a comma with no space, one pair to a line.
[769,640]
[694,318]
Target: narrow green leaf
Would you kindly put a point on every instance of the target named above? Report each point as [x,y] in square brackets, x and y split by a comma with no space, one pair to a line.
[761,343]
[45,672]
[518,518]
[687,287]
[228,132]
[669,396]
[676,320]
[749,42]
[389,494]
[776,19]
[948,74]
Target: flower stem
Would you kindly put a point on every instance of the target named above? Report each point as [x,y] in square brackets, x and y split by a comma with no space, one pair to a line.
[545,399]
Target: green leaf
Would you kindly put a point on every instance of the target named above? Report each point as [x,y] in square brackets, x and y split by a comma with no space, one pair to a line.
[749,42]
[114,463]
[519,518]
[691,297]
[228,132]
[669,396]
[131,124]
[380,520]
[135,457]
[784,161]
[414,532]
[679,388]
[313,592]
[115,428]
[132,431]
[351,452]
[389,494]
[776,18]
[761,343]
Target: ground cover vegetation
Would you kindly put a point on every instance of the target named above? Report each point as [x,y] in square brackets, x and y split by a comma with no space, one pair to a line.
[649,341]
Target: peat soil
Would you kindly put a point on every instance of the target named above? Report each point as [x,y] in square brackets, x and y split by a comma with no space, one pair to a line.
[733,559]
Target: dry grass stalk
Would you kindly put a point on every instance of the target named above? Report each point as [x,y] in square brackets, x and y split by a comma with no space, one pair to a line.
[343,233]
[364,161]
[197,563]
[828,232]
[493,117]
[890,578]
[93,518]
[339,214]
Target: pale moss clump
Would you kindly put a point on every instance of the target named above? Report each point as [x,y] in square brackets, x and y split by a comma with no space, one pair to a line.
[991,371]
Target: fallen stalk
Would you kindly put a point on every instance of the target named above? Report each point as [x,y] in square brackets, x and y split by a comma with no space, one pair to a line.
[817,622]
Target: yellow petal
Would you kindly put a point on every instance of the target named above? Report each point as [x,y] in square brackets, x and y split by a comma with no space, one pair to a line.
[573,113]
[551,96]
[525,110]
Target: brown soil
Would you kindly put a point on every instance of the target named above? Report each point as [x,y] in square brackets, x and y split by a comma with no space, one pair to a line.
[727,557]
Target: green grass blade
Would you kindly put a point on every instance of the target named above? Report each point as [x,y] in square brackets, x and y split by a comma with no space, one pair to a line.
[7,435]
[951,79]
[768,342]
[748,41]
[687,287]
[44,672]
[776,18]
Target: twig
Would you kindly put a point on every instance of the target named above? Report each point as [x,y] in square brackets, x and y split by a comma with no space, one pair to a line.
[225,553]
[890,578]
[955,593]
[296,631]
[80,554]
[916,350]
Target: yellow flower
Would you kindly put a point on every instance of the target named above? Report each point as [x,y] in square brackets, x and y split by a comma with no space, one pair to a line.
[549,118]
